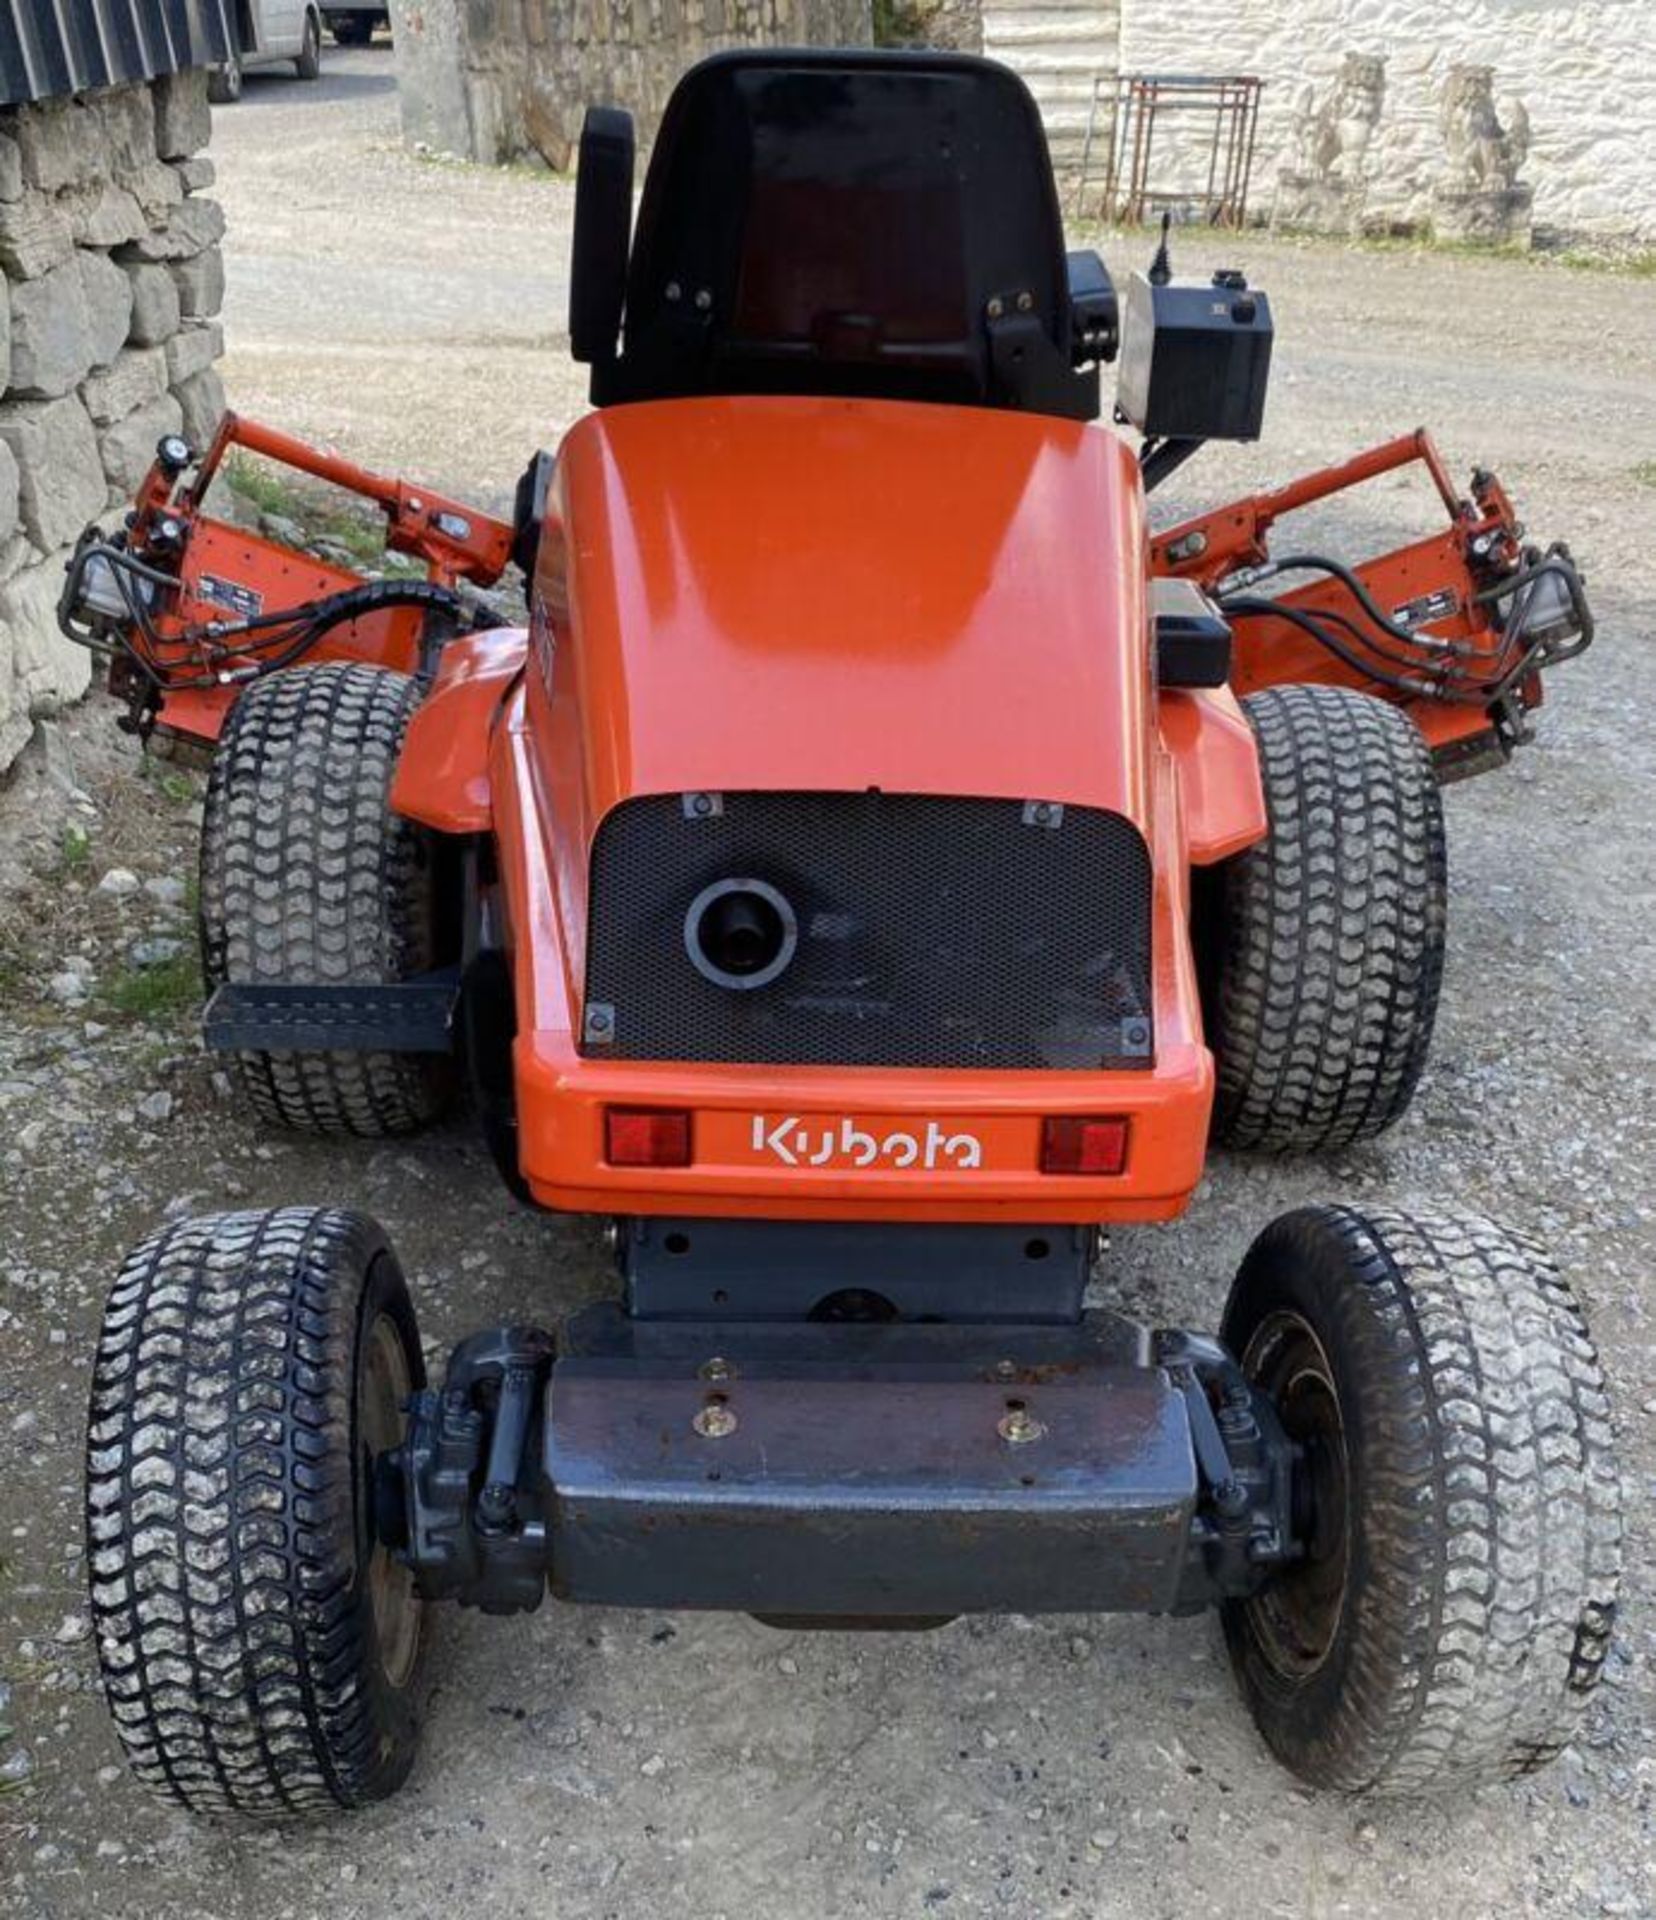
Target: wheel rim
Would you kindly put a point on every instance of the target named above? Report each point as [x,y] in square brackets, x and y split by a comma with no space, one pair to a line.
[1295,1620]
[383,1385]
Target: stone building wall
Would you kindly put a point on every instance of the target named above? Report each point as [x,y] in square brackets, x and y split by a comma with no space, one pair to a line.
[496,80]
[1060,47]
[1584,70]
[112,281]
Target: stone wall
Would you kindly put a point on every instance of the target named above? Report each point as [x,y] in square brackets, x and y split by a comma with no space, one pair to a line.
[1583,70]
[1577,77]
[112,279]
[954,25]
[1060,47]
[496,80]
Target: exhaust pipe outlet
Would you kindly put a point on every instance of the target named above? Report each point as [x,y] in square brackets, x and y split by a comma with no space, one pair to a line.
[740,934]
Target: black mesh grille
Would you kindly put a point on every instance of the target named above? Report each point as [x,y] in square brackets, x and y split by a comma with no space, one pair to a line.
[932,932]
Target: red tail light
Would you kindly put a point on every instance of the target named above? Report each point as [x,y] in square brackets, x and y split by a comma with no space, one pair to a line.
[1073,1143]
[637,1138]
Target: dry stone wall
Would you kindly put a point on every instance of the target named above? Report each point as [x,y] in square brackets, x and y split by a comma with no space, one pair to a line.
[113,279]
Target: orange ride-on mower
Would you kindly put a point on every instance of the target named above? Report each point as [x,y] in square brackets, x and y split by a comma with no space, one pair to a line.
[880,862]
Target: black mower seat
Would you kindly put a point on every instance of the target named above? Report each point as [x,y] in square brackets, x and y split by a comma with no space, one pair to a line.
[883,225]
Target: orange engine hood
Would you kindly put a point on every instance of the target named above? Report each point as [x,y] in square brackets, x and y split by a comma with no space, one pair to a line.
[840,594]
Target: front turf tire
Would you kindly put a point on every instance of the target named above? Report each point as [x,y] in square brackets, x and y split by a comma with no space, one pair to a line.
[1324,943]
[260,1652]
[308,878]
[1451,1617]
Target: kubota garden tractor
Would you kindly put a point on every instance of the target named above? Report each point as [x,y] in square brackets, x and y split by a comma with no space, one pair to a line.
[881,862]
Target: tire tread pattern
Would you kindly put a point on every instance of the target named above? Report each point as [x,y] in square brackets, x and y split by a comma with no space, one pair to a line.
[1489,1506]
[1334,926]
[233,1632]
[307,878]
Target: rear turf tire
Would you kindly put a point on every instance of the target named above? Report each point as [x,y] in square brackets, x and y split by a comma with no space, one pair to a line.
[260,1652]
[1451,1617]
[1326,940]
[308,878]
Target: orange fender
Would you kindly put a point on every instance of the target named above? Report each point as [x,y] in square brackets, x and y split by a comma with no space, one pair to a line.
[442,777]
[1217,762]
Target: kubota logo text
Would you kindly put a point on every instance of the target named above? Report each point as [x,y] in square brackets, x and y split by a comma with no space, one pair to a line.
[809,1143]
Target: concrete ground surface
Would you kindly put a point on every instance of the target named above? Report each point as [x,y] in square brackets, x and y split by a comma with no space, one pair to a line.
[593,1766]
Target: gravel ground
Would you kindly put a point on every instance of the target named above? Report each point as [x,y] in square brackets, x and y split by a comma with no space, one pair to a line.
[629,1764]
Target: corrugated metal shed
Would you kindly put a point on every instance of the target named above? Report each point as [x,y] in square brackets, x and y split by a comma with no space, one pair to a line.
[50,47]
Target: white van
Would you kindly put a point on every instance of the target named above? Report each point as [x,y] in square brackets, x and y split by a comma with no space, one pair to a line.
[270,31]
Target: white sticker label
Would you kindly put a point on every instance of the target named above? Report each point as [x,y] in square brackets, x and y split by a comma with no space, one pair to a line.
[241,601]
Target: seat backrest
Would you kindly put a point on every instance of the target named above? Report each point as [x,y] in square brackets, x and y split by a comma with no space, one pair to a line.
[875,224]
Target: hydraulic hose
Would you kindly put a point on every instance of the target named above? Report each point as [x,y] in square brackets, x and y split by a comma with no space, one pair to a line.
[1244,609]
[260,644]
[1318,563]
